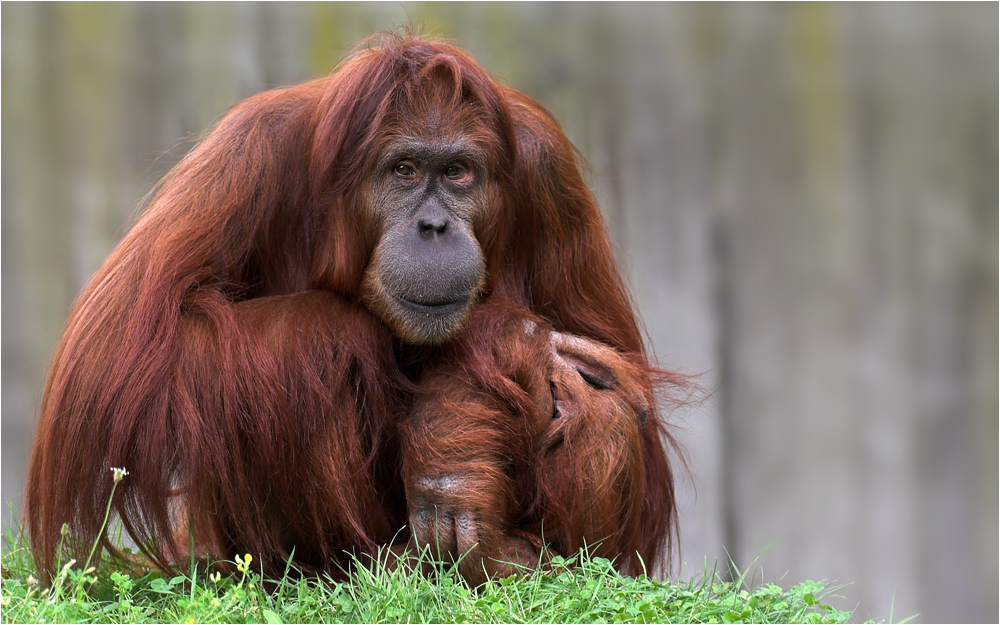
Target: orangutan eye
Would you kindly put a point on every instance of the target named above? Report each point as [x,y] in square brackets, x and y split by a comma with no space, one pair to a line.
[455,171]
[405,169]
[595,381]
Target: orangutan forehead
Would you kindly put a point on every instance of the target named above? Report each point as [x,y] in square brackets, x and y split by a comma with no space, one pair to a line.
[431,147]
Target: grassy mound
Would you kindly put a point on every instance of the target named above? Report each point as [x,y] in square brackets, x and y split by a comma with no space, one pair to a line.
[582,589]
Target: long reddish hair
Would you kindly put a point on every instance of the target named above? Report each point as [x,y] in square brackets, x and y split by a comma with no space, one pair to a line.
[164,367]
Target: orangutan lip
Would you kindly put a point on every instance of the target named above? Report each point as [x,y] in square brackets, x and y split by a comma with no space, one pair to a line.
[434,309]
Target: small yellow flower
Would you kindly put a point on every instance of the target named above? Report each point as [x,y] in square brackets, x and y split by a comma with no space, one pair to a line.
[243,564]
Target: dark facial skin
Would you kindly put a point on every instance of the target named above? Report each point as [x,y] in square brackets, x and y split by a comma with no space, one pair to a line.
[583,374]
[427,197]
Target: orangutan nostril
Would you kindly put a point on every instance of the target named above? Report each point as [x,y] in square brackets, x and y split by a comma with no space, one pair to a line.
[556,409]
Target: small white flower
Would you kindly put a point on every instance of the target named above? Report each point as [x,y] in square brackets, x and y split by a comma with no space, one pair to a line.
[119,473]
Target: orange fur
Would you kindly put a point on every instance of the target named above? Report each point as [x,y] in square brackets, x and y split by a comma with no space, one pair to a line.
[225,355]
[546,449]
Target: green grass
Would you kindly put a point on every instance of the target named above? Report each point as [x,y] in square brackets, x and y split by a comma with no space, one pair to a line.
[582,589]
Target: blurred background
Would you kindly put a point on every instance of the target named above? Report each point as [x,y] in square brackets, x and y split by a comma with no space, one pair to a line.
[803,197]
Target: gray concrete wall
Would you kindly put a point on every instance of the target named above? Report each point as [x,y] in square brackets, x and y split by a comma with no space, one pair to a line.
[804,198]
